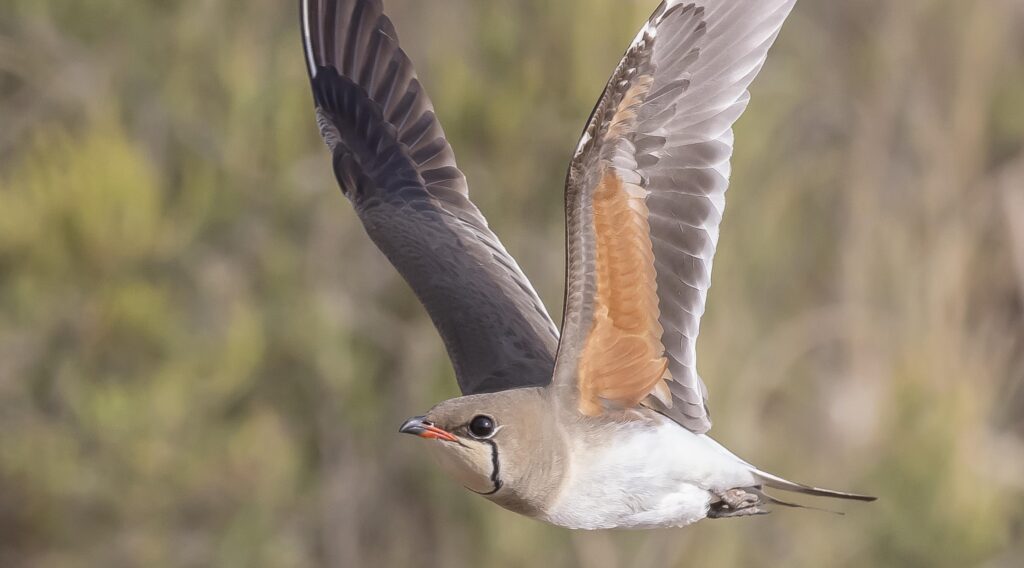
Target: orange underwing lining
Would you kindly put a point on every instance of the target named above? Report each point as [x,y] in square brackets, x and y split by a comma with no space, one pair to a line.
[623,360]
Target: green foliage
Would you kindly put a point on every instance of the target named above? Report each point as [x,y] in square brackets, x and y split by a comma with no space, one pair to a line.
[203,359]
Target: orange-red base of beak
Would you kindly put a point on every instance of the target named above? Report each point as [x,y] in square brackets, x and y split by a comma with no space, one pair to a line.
[436,433]
[420,427]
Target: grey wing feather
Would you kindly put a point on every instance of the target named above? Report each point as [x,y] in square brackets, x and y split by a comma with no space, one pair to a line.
[395,165]
[699,56]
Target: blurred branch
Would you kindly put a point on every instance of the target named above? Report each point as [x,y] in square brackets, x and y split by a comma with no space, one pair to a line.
[1009,183]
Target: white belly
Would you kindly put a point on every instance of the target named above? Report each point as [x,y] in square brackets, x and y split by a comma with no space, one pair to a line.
[650,476]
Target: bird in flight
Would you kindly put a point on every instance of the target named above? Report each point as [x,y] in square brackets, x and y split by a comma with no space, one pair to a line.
[605,424]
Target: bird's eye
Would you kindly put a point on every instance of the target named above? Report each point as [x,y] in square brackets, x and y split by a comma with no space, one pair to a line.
[481,426]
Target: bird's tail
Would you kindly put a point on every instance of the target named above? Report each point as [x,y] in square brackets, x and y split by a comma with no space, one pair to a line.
[777,482]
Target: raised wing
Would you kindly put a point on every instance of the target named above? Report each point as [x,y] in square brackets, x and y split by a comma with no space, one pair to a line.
[644,198]
[394,164]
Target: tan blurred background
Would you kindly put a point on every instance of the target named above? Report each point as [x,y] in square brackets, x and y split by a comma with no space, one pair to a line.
[204,360]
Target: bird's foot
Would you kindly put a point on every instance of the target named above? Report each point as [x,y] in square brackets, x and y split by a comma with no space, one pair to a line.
[736,503]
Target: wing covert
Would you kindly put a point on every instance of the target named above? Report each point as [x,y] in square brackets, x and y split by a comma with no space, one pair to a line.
[394,164]
[645,193]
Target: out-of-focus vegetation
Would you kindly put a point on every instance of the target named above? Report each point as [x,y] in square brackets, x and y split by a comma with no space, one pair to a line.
[203,359]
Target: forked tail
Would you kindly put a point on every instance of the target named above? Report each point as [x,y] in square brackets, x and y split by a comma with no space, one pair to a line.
[777,482]
[746,501]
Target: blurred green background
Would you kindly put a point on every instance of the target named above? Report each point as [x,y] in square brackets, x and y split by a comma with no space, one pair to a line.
[204,360]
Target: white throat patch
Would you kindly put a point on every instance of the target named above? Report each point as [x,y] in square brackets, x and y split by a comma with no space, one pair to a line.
[471,463]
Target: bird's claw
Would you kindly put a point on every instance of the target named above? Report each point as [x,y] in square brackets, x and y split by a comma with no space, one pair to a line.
[736,503]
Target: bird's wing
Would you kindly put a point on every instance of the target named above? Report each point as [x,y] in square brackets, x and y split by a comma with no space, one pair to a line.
[394,164]
[644,198]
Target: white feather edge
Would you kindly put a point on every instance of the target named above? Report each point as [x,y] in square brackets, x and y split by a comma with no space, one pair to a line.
[307,39]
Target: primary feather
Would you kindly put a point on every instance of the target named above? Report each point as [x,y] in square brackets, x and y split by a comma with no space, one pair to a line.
[395,165]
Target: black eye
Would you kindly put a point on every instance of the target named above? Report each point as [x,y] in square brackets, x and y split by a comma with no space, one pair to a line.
[481,426]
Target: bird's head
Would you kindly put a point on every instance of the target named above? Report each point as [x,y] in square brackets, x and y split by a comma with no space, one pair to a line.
[501,445]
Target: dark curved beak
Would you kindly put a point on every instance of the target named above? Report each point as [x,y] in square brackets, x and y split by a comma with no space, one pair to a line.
[420,427]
